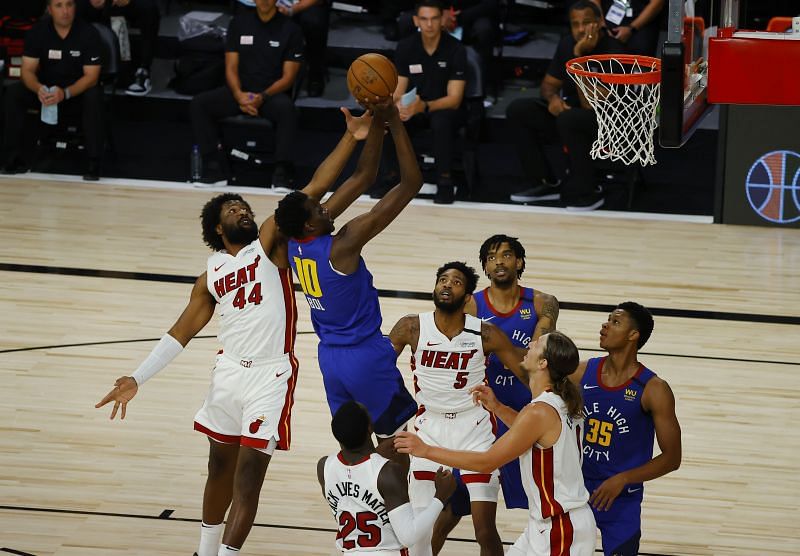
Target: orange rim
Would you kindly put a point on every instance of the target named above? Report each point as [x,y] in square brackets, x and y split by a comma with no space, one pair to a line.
[575,67]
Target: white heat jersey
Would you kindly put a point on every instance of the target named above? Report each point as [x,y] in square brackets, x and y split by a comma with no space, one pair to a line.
[552,477]
[256,304]
[445,369]
[361,516]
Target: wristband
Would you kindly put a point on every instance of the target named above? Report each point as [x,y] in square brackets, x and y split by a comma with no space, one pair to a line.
[165,351]
[67,94]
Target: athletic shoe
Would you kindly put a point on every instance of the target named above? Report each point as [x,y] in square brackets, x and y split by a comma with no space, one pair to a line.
[141,84]
[15,165]
[544,192]
[92,170]
[593,201]
[445,193]
[283,178]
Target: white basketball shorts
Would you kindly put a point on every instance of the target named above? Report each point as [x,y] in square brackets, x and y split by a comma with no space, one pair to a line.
[571,534]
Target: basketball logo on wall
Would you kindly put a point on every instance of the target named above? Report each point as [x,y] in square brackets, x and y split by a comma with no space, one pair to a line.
[773,187]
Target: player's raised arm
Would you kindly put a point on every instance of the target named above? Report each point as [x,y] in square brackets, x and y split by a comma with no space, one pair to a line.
[366,226]
[195,316]
[495,341]
[405,333]
[367,168]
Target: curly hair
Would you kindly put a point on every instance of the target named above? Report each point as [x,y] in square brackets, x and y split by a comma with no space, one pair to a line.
[210,218]
[494,242]
[642,320]
[469,273]
[292,214]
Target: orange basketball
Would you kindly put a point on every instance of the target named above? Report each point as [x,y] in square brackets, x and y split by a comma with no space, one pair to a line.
[371,75]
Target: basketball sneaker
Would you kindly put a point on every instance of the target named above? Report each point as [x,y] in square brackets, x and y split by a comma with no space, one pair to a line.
[545,192]
[592,201]
[141,84]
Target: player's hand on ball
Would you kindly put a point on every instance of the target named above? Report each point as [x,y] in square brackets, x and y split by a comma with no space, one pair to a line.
[604,495]
[124,390]
[409,443]
[445,484]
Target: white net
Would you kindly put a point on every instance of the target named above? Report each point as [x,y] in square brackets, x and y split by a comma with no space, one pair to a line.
[626,112]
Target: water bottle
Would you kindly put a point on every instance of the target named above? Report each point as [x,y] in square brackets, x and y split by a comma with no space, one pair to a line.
[50,113]
[196,169]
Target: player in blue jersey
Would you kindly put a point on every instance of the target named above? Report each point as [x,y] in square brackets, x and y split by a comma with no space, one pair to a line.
[523,314]
[357,361]
[626,406]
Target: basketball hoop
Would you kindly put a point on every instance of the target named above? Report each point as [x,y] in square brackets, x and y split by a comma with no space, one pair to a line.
[624,91]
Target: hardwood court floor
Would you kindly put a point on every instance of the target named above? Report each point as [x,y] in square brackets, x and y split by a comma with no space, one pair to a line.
[73,483]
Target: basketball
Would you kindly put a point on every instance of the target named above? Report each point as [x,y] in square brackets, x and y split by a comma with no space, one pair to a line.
[371,75]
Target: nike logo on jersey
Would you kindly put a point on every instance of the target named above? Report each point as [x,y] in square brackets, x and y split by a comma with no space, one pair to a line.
[481,420]
[587,387]
[216,268]
[433,343]
[95,58]
[487,319]
[632,490]
[281,374]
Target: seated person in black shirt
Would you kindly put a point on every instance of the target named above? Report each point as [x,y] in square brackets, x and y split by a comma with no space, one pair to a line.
[433,63]
[63,53]
[140,13]
[561,116]
[635,23]
[263,55]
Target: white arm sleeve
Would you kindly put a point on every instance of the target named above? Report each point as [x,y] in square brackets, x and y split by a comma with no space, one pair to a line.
[409,527]
[165,351]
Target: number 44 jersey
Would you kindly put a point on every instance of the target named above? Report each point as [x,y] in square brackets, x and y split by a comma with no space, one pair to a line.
[255,304]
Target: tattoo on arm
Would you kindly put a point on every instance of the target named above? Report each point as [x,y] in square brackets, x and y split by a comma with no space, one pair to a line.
[550,311]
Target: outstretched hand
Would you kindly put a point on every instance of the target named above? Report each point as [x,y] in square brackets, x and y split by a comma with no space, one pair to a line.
[410,443]
[484,395]
[358,126]
[124,390]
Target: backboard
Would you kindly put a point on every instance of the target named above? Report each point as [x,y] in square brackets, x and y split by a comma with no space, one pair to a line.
[684,64]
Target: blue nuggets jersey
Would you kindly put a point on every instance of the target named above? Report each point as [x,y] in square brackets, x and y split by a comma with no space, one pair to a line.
[518,324]
[344,307]
[619,434]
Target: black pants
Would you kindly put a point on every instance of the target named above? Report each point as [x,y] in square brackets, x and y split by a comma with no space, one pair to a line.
[444,124]
[208,108]
[18,100]
[644,41]
[532,127]
[315,22]
[390,9]
[143,14]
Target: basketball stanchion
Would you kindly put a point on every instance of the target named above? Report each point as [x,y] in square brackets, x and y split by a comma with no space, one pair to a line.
[624,91]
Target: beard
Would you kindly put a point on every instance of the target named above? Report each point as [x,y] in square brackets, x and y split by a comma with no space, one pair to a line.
[241,235]
[454,305]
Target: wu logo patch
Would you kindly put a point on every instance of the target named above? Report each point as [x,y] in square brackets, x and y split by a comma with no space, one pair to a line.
[630,394]
[524,314]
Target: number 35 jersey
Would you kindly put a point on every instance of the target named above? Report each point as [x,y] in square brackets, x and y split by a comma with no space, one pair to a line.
[445,369]
[255,304]
[619,434]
